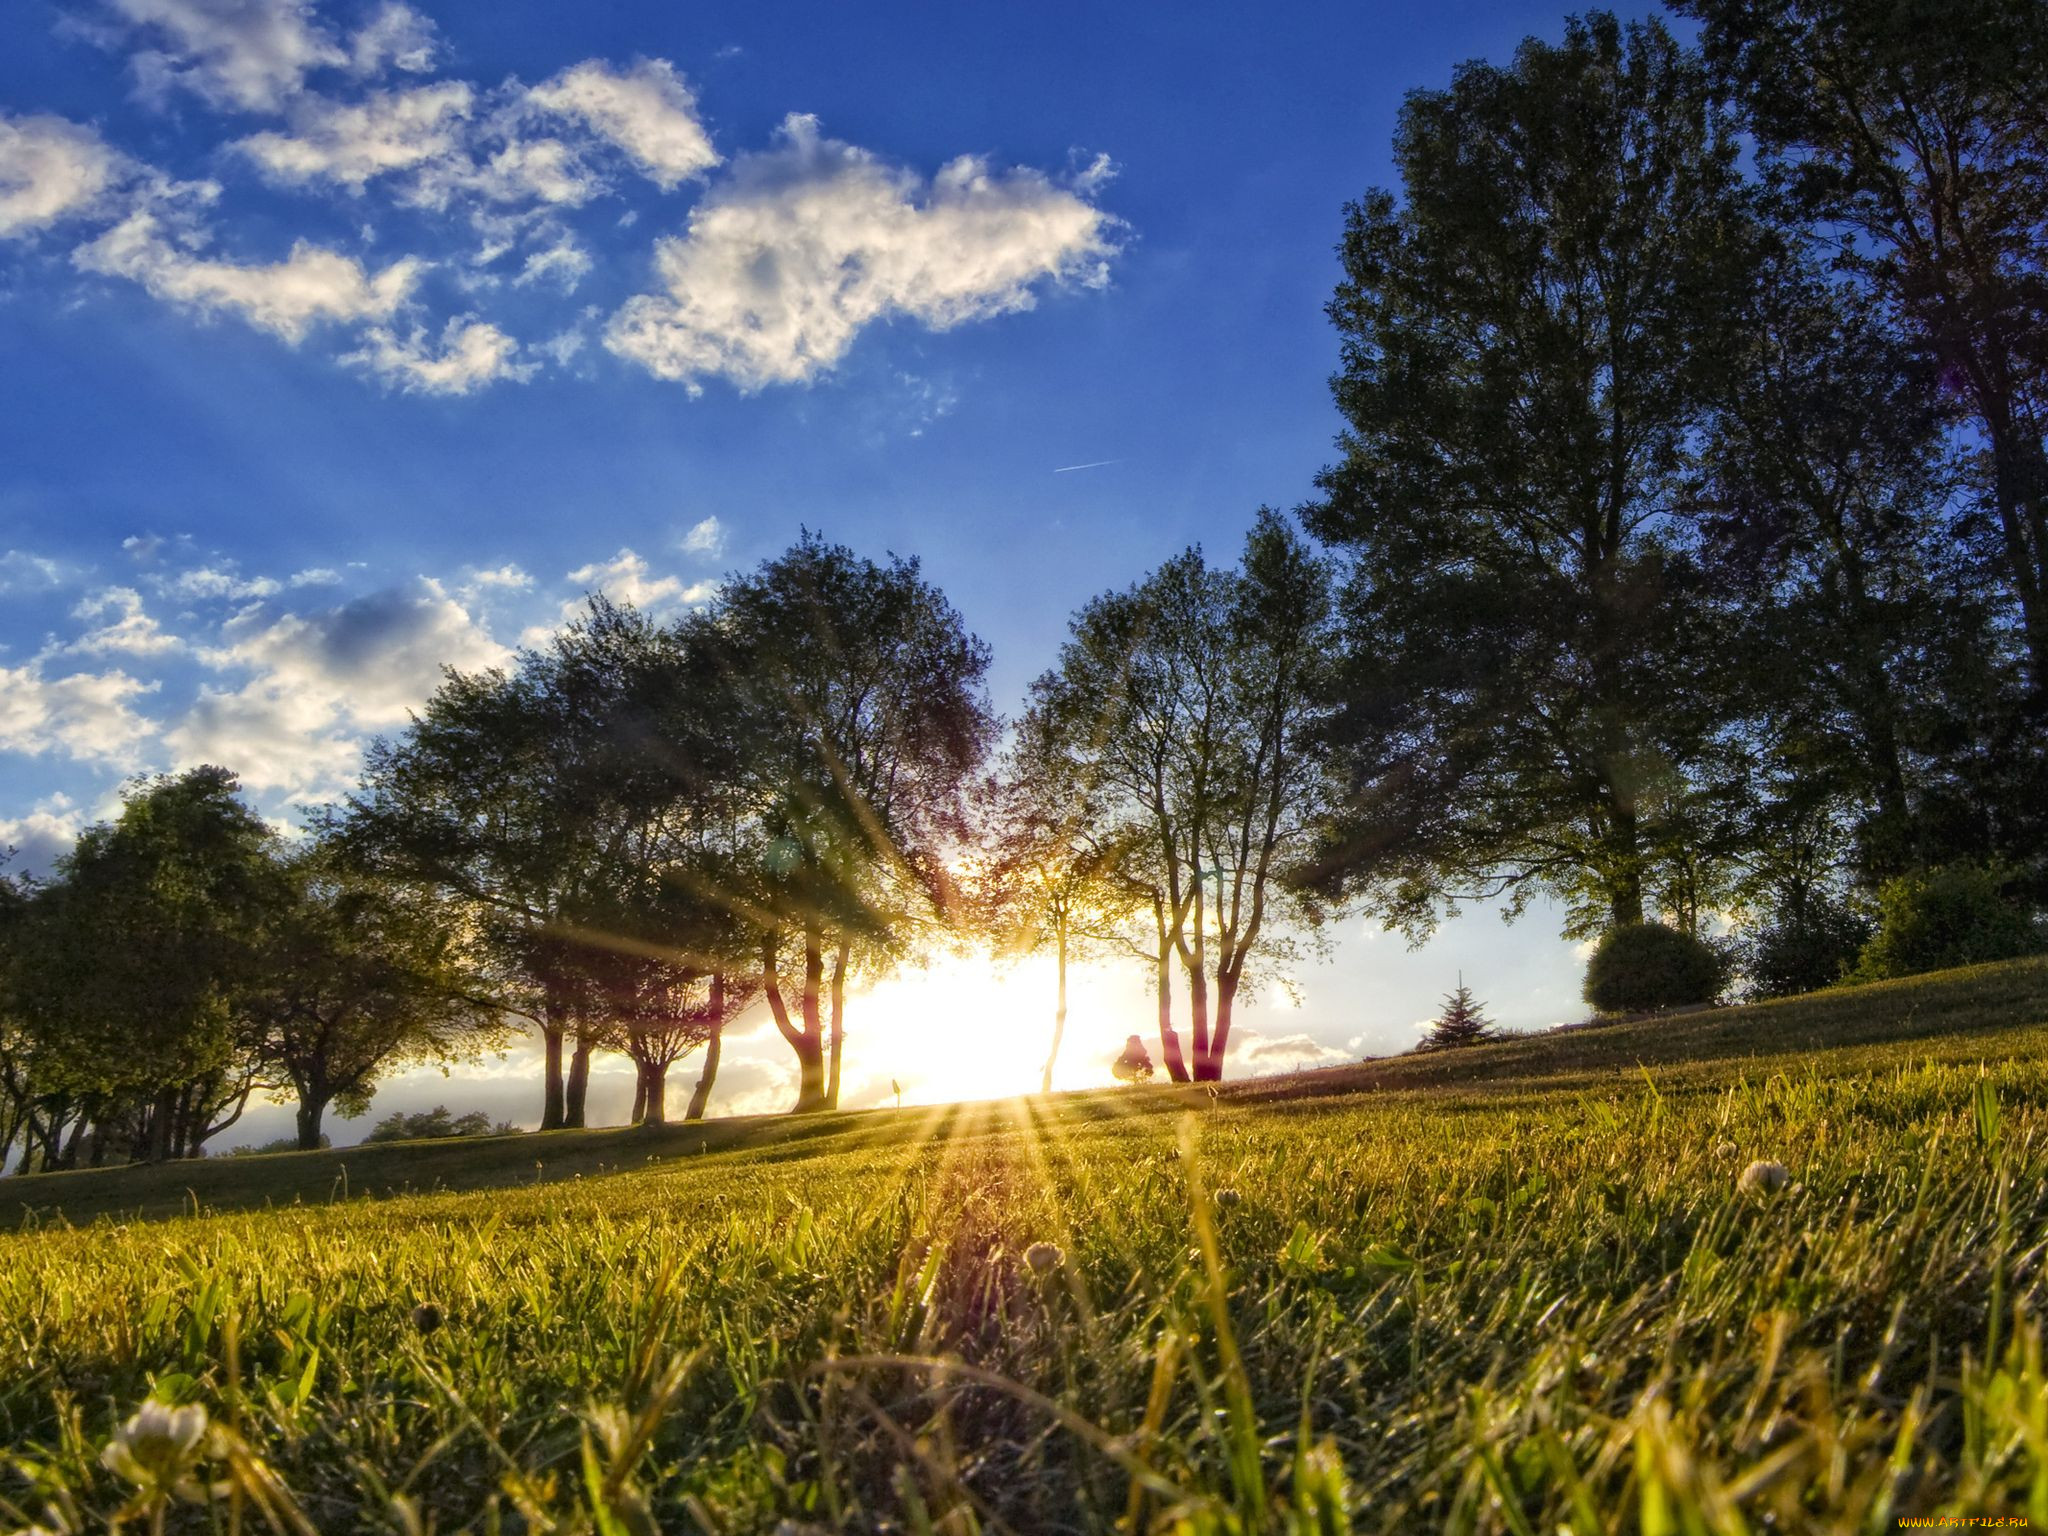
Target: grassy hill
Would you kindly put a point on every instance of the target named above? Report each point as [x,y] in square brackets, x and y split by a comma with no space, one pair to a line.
[1512,1289]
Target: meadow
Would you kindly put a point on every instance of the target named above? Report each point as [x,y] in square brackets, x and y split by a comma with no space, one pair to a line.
[1519,1288]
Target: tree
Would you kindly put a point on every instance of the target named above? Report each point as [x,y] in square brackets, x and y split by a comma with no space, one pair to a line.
[436,1124]
[1533,335]
[1187,708]
[136,964]
[1917,131]
[356,976]
[1134,1064]
[1463,1022]
[857,695]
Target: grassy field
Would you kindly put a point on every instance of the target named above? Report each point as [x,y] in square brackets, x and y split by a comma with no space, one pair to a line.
[1518,1291]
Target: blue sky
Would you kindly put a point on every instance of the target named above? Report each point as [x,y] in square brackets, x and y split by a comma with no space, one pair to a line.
[342,340]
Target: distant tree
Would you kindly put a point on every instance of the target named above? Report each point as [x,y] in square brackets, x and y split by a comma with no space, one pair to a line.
[136,970]
[857,694]
[1916,131]
[1463,1022]
[1188,710]
[1534,334]
[358,975]
[438,1123]
[1134,1064]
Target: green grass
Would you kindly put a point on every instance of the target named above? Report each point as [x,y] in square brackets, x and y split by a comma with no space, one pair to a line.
[1515,1290]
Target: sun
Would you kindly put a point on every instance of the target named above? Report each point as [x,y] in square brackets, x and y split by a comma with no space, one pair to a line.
[966,1027]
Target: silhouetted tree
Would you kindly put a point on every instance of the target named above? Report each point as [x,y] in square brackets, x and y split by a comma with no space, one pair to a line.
[856,692]
[1533,335]
[1134,1064]
[1462,1022]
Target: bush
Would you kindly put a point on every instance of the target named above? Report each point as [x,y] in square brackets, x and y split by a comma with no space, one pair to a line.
[1802,947]
[1646,966]
[435,1124]
[282,1144]
[1941,918]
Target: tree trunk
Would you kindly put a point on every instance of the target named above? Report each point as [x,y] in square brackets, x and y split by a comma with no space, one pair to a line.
[1625,873]
[808,1044]
[700,1097]
[69,1157]
[1169,1042]
[838,1033]
[654,1089]
[577,1089]
[160,1117]
[1210,1068]
[551,1111]
[1059,1012]
[640,1073]
[311,1108]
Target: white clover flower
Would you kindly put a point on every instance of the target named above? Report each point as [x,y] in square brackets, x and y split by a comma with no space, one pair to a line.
[1762,1177]
[1044,1258]
[1227,1198]
[158,1449]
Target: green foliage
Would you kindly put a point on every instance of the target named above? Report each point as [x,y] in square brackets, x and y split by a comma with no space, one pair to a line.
[1463,1022]
[431,1124]
[1647,966]
[1545,1275]
[1799,947]
[1134,1063]
[1957,915]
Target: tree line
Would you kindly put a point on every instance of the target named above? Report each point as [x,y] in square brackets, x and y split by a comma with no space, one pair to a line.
[1684,561]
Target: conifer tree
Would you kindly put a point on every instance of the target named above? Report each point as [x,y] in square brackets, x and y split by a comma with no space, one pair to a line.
[1463,1022]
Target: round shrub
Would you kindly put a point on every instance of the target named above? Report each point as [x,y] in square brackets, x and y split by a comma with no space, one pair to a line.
[1802,947]
[1940,918]
[1646,966]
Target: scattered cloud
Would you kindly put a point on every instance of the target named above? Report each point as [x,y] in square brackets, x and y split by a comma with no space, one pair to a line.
[349,143]
[647,111]
[86,716]
[508,577]
[1283,1053]
[120,626]
[215,583]
[247,55]
[36,841]
[23,572]
[626,578]
[469,354]
[287,298]
[804,244]
[397,37]
[563,264]
[320,682]
[51,169]
[705,539]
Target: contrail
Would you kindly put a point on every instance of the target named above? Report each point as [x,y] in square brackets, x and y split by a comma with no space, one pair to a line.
[1098,464]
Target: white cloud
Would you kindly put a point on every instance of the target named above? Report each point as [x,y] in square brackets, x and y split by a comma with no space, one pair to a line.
[317,576]
[21,572]
[286,298]
[349,143]
[564,264]
[470,354]
[397,37]
[43,836]
[248,54]
[806,243]
[626,578]
[523,170]
[51,169]
[1282,1053]
[213,583]
[706,539]
[320,681]
[509,577]
[83,715]
[647,111]
[120,625]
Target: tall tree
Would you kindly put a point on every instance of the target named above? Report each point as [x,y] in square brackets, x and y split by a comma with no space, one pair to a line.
[1533,333]
[140,960]
[1918,131]
[858,694]
[1187,708]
